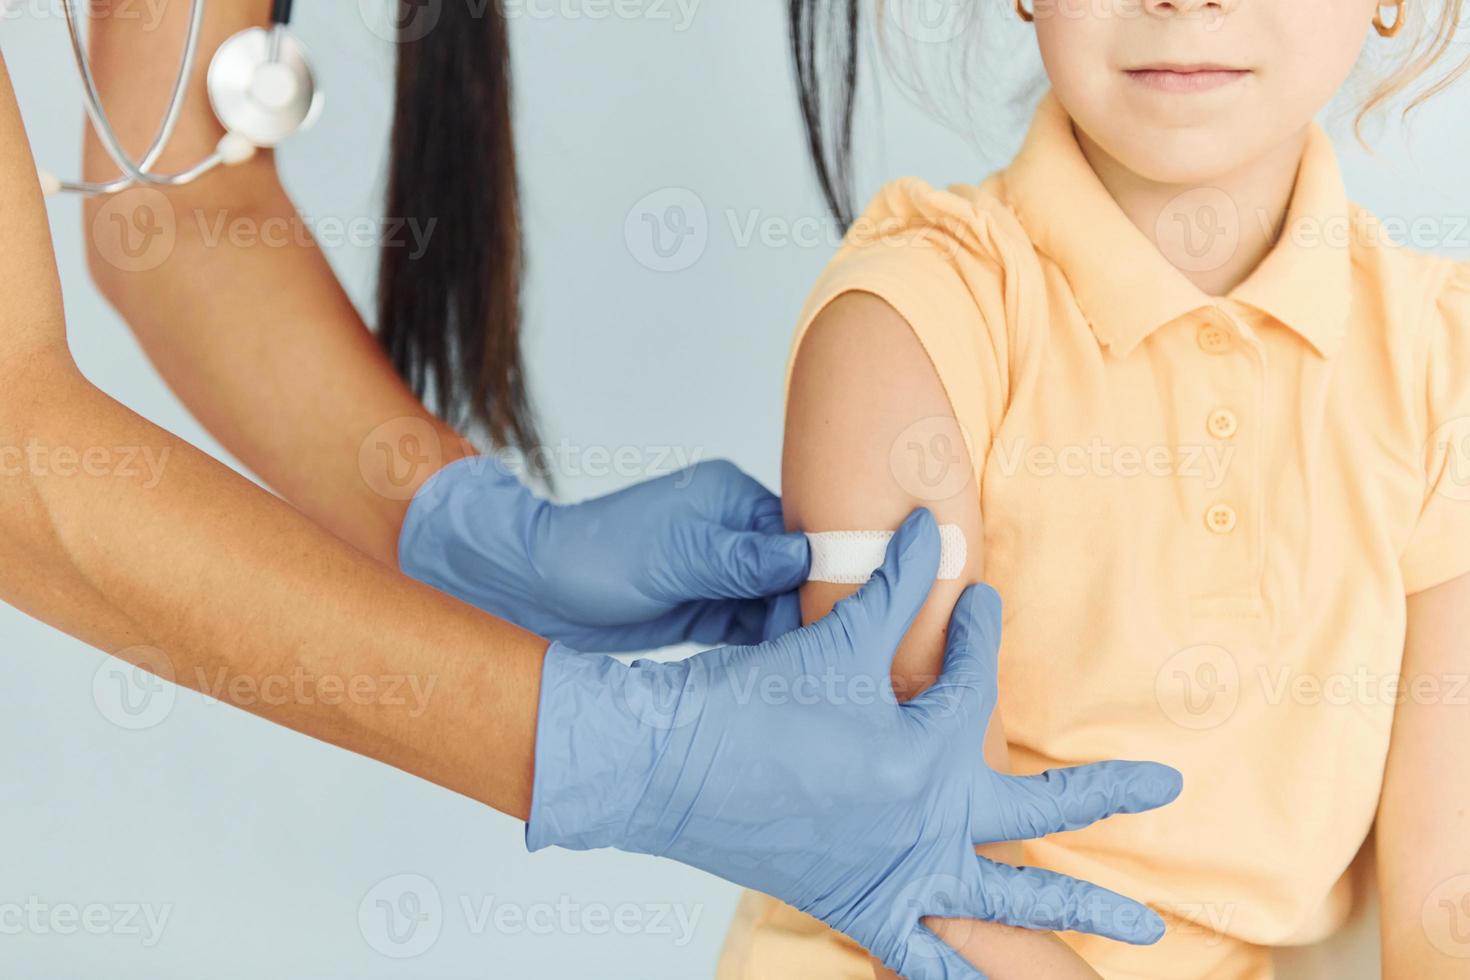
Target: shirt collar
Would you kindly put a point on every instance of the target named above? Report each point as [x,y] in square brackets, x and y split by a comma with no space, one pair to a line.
[1125,286]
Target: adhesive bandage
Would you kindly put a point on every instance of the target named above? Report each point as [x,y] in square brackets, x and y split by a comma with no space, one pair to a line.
[851,557]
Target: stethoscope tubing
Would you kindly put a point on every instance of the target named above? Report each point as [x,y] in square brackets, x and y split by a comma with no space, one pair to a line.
[233,149]
[137,172]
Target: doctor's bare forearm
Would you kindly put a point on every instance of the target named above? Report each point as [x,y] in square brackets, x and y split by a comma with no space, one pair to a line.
[131,540]
[237,306]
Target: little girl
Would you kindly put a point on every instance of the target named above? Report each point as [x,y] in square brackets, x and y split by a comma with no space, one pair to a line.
[1206,429]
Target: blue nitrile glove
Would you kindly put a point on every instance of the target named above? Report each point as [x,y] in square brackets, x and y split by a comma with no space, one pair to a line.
[791,768]
[686,557]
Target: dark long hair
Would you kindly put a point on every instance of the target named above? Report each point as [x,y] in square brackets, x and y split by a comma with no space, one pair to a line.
[824,49]
[450,318]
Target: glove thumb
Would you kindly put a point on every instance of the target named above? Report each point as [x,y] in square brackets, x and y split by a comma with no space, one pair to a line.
[966,690]
[750,564]
[735,547]
[878,615]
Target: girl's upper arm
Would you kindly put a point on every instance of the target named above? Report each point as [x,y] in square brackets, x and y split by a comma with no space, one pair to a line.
[871,435]
[1423,828]
[1423,831]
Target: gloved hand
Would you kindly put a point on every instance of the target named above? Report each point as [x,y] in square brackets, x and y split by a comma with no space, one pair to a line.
[686,557]
[791,768]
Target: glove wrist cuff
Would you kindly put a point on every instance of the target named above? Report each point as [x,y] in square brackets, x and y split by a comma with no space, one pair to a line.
[470,516]
[607,735]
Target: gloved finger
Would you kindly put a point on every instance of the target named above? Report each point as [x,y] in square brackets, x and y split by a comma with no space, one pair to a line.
[966,690]
[783,615]
[927,957]
[770,520]
[726,564]
[710,623]
[875,618]
[1035,899]
[726,495]
[725,622]
[639,638]
[1068,799]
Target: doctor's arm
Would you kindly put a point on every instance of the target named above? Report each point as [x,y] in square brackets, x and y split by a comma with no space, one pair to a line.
[1423,828]
[239,310]
[191,571]
[860,381]
[256,336]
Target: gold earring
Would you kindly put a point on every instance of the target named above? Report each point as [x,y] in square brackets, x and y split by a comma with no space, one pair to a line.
[1024,14]
[1384,30]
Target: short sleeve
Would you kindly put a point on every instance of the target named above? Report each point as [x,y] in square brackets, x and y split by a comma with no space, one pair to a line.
[1439,548]
[945,261]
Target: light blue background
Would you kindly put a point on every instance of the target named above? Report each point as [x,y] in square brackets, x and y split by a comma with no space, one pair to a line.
[262,846]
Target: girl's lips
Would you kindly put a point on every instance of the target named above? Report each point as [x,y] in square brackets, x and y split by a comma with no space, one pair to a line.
[1186,80]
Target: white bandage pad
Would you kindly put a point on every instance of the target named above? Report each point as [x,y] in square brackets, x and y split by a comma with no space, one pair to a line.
[851,557]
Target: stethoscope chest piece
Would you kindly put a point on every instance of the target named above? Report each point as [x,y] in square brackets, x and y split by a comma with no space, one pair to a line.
[262,87]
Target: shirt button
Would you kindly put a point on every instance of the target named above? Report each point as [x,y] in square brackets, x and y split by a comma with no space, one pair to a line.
[1220,518]
[1222,423]
[1215,339]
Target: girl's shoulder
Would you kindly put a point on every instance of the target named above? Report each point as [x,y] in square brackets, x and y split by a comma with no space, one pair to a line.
[1405,258]
[960,249]
[1454,294]
[1399,265]
[1419,302]
[957,269]
[1447,341]
[961,221]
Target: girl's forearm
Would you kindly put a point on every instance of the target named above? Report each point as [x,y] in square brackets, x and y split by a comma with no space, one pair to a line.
[1004,952]
[1001,951]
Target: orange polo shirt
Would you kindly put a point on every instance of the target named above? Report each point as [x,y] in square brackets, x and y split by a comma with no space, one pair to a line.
[1204,515]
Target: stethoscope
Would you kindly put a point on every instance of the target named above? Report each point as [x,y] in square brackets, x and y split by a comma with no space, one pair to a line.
[261,88]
